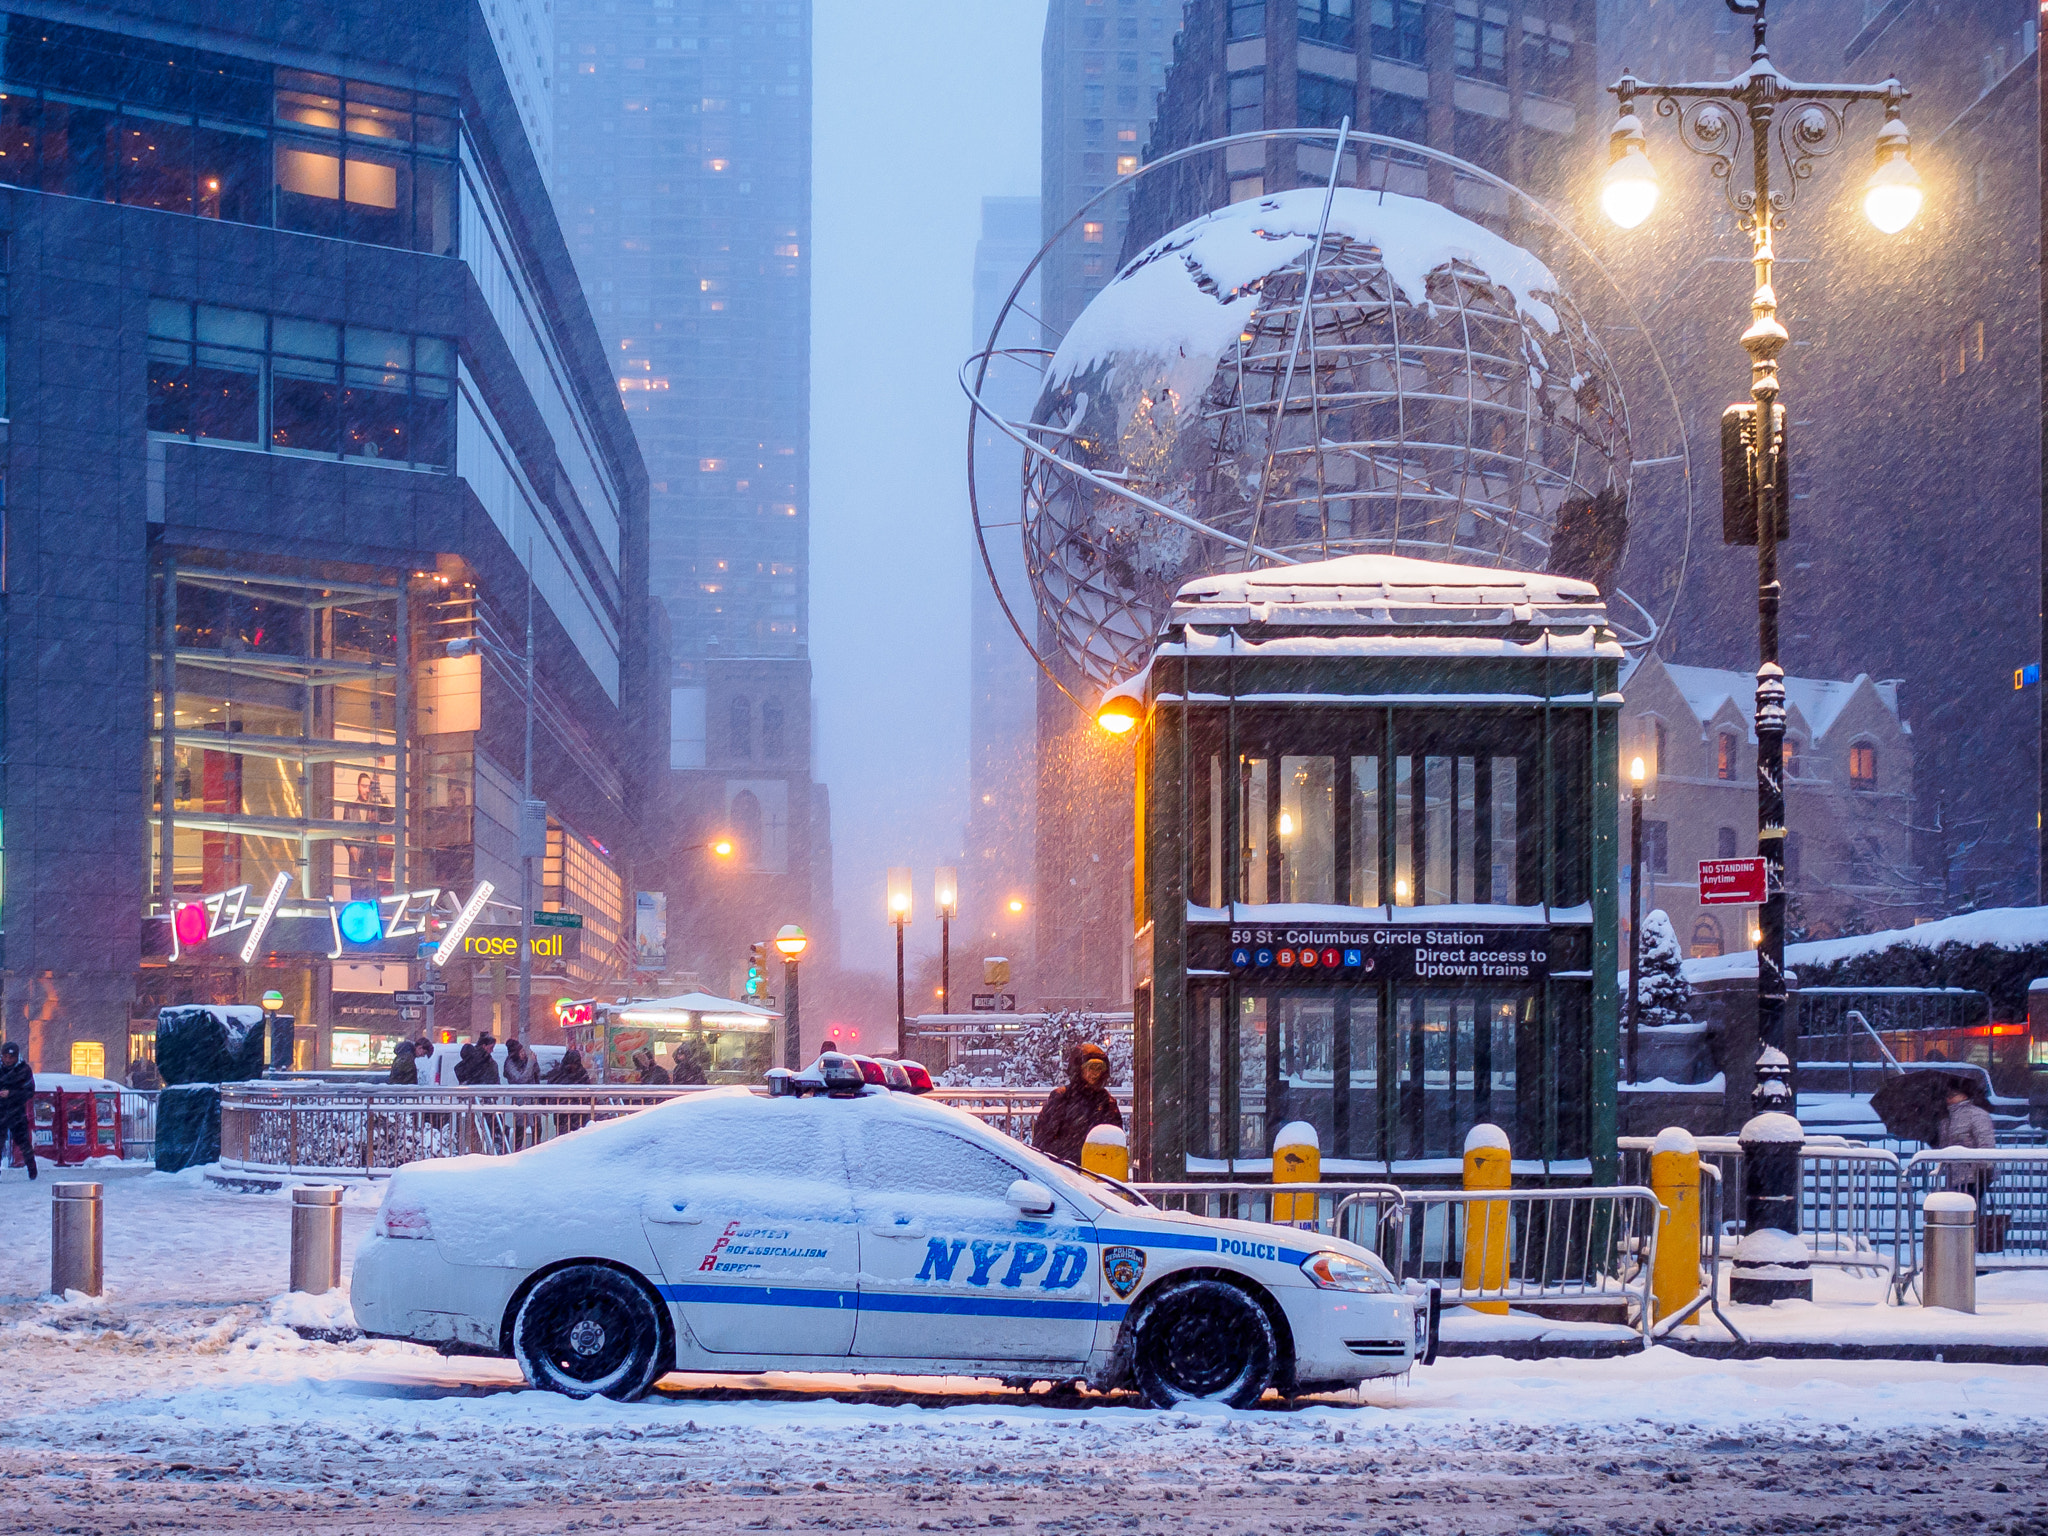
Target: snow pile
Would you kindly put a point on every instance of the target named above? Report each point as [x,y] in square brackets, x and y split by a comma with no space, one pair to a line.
[1182,302]
[1352,580]
[1772,1127]
[1674,1138]
[328,1313]
[1296,1133]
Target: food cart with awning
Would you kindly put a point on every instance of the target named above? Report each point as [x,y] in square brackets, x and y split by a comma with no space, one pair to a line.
[725,1040]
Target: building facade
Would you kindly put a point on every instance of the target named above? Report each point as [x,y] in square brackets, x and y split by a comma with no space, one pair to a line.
[1509,87]
[683,153]
[1913,377]
[1104,63]
[1849,801]
[300,390]
[996,896]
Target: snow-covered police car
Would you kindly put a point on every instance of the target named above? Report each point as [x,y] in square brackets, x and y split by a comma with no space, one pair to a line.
[873,1232]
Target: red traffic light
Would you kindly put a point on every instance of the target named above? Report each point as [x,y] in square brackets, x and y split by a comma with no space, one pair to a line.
[191,924]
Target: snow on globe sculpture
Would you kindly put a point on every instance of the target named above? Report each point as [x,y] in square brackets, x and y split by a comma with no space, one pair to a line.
[1440,397]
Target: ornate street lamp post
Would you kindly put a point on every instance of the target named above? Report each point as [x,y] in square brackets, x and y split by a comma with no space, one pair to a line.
[899,914]
[1763,109]
[792,942]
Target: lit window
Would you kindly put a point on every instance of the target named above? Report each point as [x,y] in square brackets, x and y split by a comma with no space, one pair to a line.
[1126,165]
[1791,758]
[1863,766]
[1724,755]
[88,1058]
[1091,232]
[710,466]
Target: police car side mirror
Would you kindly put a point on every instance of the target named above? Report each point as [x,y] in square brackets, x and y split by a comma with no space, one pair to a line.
[1031,1198]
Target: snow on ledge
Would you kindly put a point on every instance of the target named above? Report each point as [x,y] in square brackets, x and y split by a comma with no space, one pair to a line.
[2001,927]
[1772,1127]
[1674,1138]
[1108,1136]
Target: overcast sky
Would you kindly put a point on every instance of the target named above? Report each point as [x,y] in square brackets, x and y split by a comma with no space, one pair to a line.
[923,108]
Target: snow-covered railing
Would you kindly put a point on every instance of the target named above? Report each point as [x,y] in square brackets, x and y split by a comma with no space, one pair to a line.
[369,1129]
[1361,1213]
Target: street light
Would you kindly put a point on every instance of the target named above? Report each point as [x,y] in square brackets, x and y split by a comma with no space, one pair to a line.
[1117,713]
[946,897]
[899,914]
[1766,112]
[790,939]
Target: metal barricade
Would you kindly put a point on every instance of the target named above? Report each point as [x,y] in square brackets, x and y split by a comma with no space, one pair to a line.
[1849,1205]
[138,1125]
[1569,1245]
[1013,1111]
[2011,1187]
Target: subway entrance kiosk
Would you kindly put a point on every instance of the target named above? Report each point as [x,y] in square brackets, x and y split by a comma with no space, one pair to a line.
[1375,882]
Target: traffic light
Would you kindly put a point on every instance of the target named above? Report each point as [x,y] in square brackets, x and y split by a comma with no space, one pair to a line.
[757,967]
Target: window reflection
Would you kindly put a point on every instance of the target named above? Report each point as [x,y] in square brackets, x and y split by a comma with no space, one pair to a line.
[236,376]
[93,115]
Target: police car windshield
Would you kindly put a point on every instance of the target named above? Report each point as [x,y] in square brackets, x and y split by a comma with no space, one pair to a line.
[1101,1185]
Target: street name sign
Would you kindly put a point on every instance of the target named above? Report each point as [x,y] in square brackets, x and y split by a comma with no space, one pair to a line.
[1731,882]
[558,919]
[411,997]
[994,1002]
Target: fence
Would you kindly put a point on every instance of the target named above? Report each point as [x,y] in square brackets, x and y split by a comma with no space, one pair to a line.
[1341,1208]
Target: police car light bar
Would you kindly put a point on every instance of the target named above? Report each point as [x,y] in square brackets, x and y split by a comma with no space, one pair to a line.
[451,941]
[279,884]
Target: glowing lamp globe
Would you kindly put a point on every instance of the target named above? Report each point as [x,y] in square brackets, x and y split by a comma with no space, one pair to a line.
[1892,196]
[1628,191]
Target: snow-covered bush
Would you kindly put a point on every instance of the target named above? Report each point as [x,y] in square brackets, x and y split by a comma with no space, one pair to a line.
[1036,1055]
[1662,991]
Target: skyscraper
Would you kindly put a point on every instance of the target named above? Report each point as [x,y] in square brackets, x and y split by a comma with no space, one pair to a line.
[1103,64]
[1002,713]
[683,178]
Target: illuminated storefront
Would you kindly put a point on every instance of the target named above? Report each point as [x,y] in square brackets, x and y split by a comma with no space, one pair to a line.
[1375,881]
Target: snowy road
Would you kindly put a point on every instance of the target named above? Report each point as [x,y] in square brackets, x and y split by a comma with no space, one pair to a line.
[178,1404]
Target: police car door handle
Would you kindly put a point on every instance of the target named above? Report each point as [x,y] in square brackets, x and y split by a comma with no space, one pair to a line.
[671,1213]
[897,1229]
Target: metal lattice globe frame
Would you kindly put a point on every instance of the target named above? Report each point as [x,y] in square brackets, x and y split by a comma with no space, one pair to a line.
[1444,426]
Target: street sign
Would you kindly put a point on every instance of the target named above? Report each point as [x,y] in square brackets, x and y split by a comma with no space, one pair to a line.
[558,919]
[411,1013]
[994,1002]
[1732,882]
[411,997]
[433,986]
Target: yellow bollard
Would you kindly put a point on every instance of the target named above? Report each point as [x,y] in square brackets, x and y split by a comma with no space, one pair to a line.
[1675,1180]
[1488,1165]
[1297,1159]
[1107,1152]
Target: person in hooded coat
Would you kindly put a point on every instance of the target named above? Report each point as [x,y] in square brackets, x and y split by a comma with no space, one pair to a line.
[1966,1122]
[405,1064]
[651,1071]
[478,1067]
[521,1065]
[1077,1106]
[569,1069]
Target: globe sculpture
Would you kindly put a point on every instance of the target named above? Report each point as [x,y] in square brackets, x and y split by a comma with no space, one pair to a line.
[1440,398]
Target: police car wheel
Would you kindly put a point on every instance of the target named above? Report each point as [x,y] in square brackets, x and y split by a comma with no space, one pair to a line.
[1203,1340]
[589,1331]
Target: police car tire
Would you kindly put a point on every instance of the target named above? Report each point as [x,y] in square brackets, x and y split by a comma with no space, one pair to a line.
[1203,1341]
[589,1331]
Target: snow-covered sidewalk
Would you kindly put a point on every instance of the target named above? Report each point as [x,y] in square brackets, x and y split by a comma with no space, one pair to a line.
[186,1371]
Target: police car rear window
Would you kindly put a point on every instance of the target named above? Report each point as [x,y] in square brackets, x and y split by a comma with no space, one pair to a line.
[919,1160]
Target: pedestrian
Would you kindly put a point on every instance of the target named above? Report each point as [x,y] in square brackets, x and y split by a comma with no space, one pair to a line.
[1077,1106]
[17,1093]
[405,1064]
[569,1070]
[521,1065]
[142,1075]
[1966,1123]
[691,1062]
[477,1068]
[650,1071]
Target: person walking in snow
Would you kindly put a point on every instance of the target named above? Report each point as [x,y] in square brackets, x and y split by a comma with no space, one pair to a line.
[17,1092]
[569,1071]
[1077,1106]
[405,1064]
[478,1068]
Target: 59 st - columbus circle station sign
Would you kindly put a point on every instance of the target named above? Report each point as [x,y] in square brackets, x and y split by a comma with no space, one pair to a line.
[1447,955]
